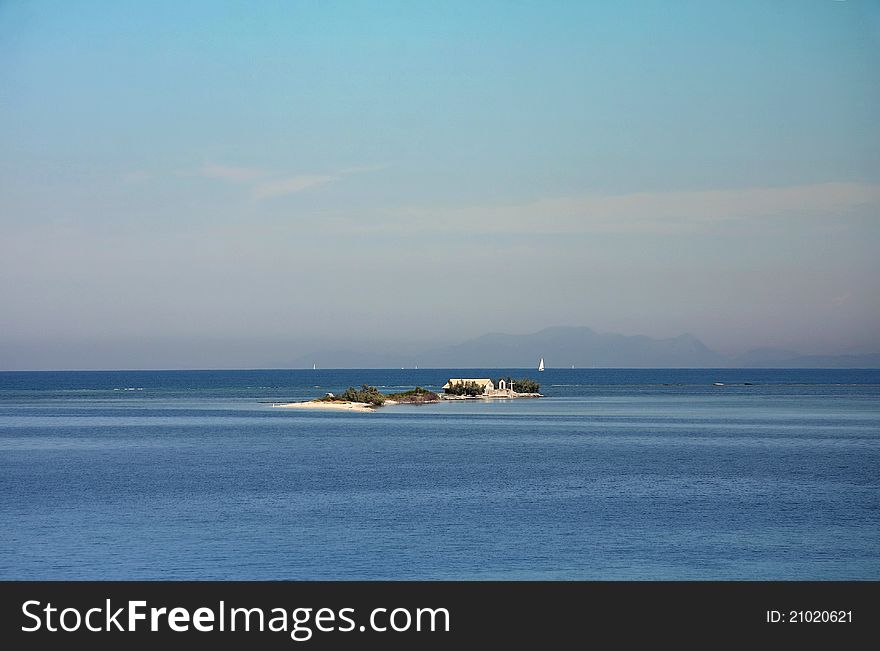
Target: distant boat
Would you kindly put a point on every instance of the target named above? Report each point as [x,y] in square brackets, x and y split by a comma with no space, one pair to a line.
[541,364]
[314,367]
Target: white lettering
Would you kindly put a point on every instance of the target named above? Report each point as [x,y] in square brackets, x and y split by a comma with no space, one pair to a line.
[325,614]
[433,612]
[178,619]
[134,615]
[154,617]
[247,614]
[24,609]
[203,620]
[112,620]
[408,619]
[346,618]
[89,620]
[49,610]
[280,618]
[70,629]
[298,620]
[373,619]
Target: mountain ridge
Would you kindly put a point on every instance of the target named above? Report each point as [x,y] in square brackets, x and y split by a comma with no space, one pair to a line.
[581,347]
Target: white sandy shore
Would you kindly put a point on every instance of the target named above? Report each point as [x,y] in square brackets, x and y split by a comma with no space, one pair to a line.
[332,406]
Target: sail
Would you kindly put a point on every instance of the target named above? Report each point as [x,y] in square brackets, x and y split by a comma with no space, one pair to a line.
[541,365]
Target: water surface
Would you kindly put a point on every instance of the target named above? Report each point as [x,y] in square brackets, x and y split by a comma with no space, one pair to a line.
[615,474]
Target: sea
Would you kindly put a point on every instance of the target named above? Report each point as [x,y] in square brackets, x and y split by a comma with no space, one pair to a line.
[661,474]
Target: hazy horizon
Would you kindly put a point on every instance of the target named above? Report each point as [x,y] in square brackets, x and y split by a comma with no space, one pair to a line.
[216,185]
[560,345]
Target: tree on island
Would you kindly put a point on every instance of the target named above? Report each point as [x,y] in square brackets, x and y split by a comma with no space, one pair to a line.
[465,389]
[366,393]
[371,396]
[524,385]
[414,396]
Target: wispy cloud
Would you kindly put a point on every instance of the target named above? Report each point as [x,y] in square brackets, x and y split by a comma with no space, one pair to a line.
[283,187]
[265,185]
[641,212]
[230,173]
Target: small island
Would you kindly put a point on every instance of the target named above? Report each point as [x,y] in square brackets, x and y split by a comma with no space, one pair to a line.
[471,388]
[369,398]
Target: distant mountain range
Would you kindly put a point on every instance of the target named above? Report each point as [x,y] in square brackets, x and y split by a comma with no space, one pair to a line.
[583,348]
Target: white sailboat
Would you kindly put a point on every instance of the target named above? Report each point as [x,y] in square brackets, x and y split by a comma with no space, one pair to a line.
[314,367]
[541,364]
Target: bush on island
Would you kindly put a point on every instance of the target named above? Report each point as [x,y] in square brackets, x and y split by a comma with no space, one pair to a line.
[465,389]
[415,396]
[367,394]
[524,385]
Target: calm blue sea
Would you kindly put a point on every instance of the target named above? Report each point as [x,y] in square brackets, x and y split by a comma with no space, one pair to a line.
[615,474]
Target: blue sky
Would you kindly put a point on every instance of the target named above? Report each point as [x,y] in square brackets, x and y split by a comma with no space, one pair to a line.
[298,174]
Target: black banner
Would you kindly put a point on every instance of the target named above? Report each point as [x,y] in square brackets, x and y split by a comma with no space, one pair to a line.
[344,614]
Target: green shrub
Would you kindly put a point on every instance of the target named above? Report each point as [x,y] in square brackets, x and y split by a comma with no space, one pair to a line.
[416,395]
[367,394]
[465,389]
[524,385]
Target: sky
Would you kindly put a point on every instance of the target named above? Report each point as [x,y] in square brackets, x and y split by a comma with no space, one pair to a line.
[236,184]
